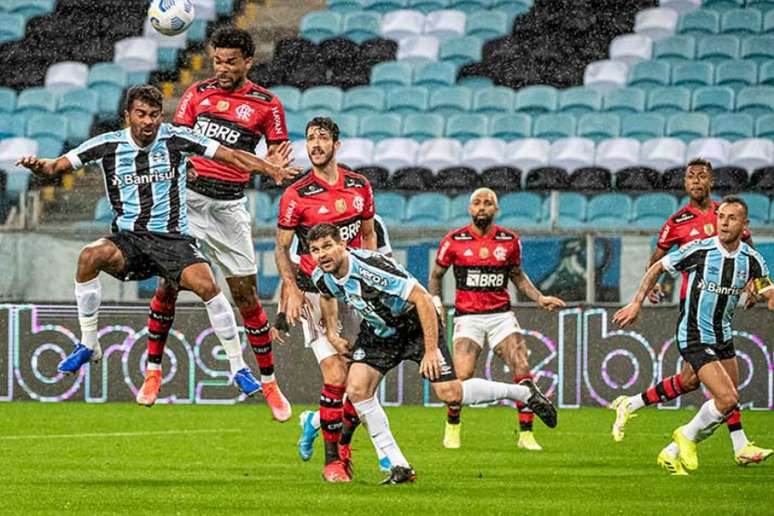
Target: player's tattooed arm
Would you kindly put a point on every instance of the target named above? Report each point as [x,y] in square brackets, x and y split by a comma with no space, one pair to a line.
[329,308]
[628,314]
[435,286]
[430,367]
[526,287]
[254,164]
[656,294]
[368,234]
[46,167]
[294,299]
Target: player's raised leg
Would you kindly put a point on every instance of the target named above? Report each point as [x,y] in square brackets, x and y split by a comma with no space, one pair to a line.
[160,317]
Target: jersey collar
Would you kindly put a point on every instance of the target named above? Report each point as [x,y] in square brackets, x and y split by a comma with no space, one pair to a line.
[338,185]
[485,236]
[698,212]
[133,144]
[723,250]
[342,281]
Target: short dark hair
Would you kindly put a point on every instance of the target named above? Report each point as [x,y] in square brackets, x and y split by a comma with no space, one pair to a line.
[229,36]
[700,162]
[735,199]
[324,230]
[151,95]
[324,122]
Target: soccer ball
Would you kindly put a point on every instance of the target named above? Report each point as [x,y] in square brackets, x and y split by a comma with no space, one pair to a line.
[171,17]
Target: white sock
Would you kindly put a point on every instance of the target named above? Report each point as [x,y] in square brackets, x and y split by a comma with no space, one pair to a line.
[153,367]
[223,322]
[704,422]
[375,420]
[266,378]
[88,296]
[316,419]
[635,402]
[738,439]
[673,450]
[478,390]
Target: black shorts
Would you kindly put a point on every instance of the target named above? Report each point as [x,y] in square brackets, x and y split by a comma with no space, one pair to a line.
[699,355]
[149,254]
[407,344]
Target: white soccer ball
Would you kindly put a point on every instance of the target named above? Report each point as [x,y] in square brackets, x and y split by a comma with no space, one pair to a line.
[171,17]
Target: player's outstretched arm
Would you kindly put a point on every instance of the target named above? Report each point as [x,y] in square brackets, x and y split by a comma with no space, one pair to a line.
[45,167]
[628,314]
[368,235]
[656,293]
[293,299]
[430,367]
[329,308]
[525,286]
[253,164]
[435,287]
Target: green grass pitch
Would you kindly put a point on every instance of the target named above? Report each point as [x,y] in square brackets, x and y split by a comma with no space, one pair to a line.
[120,458]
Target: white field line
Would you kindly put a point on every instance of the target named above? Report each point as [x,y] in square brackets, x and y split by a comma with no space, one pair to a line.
[117,434]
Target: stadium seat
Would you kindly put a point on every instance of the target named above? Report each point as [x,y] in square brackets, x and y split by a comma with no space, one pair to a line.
[716,150]
[456,179]
[289,96]
[107,73]
[667,101]
[617,153]
[764,127]
[450,100]
[261,208]
[732,126]
[461,51]
[66,76]
[435,75]
[752,153]
[384,6]
[361,26]
[675,49]
[736,74]
[445,24]
[32,8]
[418,49]
[702,22]
[496,99]
[79,107]
[402,24]
[296,126]
[608,211]
[503,178]
[741,22]
[662,153]
[440,153]
[487,25]
[718,48]
[13,149]
[403,101]
[11,27]
[758,207]
[35,100]
[758,48]
[483,153]
[692,75]
[510,127]
[657,23]
[651,209]
[755,101]
[423,126]
[379,127]
[329,98]
[413,179]
[470,6]
[391,74]
[348,125]
[536,100]
[427,6]
[301,156]
[579,100]
[713,100]
[7,100]
[605,75]
[364,100]
[766,75]
[681,6]
[458,210]
[465,127]
[554,126]
[528,153]
[548,178]
[765,6]
[688,126]
[395,153]
[427,209]
[649,74]
[643,126]
[136,54]
[722,5]
[392,206]
[622,101]
[768,23]
[572,210]
[205,10]
[356,152]
[50,131]
[762,180]
[571,153]
[319,25]
[599,126]
[631,48]
[526,205]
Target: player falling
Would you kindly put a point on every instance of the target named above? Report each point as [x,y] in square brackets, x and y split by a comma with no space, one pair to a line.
[234,111]
[328,193]
[485,256]
[400,322]
[696,220]
[145,179]
[718,270]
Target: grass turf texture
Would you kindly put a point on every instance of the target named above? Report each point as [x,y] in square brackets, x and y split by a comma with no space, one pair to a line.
[227,459]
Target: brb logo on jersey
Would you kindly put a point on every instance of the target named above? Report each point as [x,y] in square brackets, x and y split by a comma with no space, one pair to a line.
[216,131]
[350,231]
[480,279]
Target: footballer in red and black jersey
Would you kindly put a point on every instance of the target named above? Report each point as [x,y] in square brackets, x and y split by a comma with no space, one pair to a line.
[482,265]
[310,201]
[239,119]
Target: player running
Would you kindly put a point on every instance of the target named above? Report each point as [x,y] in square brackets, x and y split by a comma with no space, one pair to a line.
[328,193]
[145,180]
[696,220]
[718,269]
[236,112]
[485,256]
[399,322]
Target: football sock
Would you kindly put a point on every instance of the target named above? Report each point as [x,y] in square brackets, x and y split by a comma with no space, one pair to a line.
[704,422]
[316,419]
[224,324]
[373,416]
[351,422]
[738,437]
[526,416]
[453,411]
[666,390]
[330,419]
[88,296]
[257,330]
[160,317]
[478,390]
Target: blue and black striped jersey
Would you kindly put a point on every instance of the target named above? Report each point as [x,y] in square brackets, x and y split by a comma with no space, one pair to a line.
[146,186]
[716,278]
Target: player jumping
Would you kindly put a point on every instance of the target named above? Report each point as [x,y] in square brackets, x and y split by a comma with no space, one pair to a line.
[718,270]
[696,220]
[485,256]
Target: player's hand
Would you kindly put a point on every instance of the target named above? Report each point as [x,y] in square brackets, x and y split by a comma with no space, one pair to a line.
[338,342]
[550,303]
[656,294]
[750,296]
[190,173]
[627,315]
[275,335]
[294,305]
[280,155]
[430,367]
[37,165]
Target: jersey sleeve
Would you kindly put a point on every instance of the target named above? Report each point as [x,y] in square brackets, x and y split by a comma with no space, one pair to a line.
[684,258]
[516,253]
[382,236]
[189,142]
[185,114]
[318,278]
[759,274]
[667,236]
[445,255]
[89,151]
[289,211]
[273,124]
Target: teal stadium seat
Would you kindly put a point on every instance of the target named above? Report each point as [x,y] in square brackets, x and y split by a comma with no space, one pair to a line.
[497,99]
[741,22]
[622,101]
[487,25]
[296,123]
[274,210]
[732,126]
[224,7]
[764,127]
[197,32]
[261,208]
[554,126]
[475,83]
[361,26]
[320,25]
[736,74]
[766,73]
[470,6]
[344,6]
[403,101]
[108,80]
[608,211]
[765,6]
[427,209]
[384,6]
[693,75]
[392,206]
[536,100]
[15,124]
[520,205]
[702,22]
[758,48]
[713,100]
[718,48]
[379,127]
[461,51]
[649,74]
[423,126]
[755,101]
[391,74]
[513,8]
[467,126]
[426,6]
[436,74]
[651,210]
[579,100]
[643,126]
[11,27]
[35,100]
[364,100]
[458,210]
[166,58]
[675,49]
[289,96]
[768,22]
[688,126]
[599,126]
[451,100]
[6,128]
[7,100]
[31,8]
[348,125]
[669,100]
[50,131]
[758,206]
[722,6]
[510,127]
[79,107]
[328,98]
[572,209]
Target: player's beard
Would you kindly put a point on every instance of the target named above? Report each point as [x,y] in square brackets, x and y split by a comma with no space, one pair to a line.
[327,157]
[482,222]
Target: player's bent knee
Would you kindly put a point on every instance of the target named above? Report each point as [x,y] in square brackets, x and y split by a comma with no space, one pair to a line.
[207,289]
[449,392]
[358,393]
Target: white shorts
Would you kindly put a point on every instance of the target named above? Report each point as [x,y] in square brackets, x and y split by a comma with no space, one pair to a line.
[223,229]
[482,328]
[314,332]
